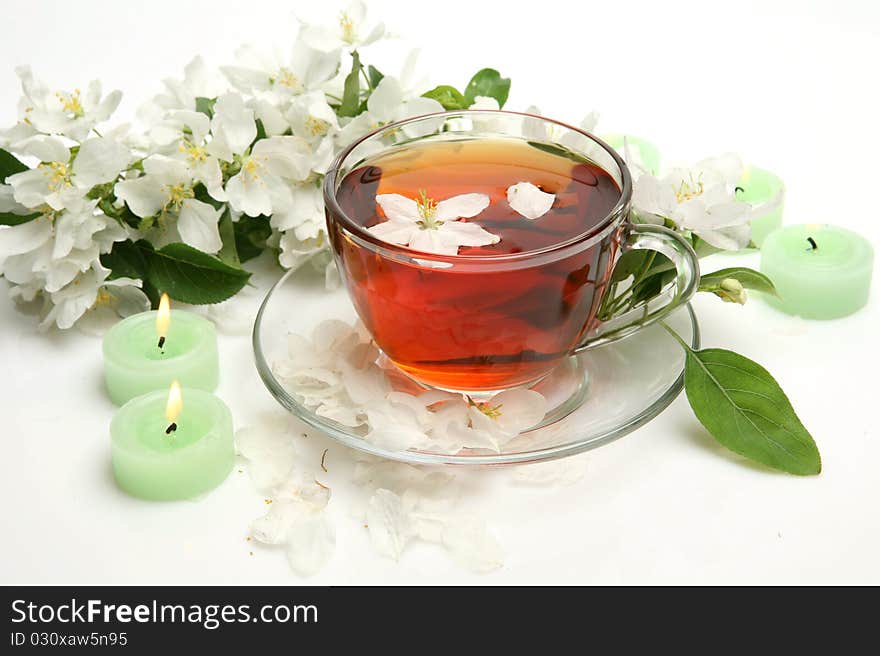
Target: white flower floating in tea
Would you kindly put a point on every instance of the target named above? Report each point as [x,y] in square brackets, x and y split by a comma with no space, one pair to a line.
[529,201]
[340,376]
[430,226]
[701,199]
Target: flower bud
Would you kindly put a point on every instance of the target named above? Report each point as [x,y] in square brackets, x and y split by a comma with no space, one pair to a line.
[730,290]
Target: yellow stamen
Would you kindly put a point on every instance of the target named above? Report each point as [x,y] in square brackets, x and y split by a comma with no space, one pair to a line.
[317,127]
[177,194]
[349,33]
[57,174]
[104,298]
[688,190]
[71,103]
[195,154]
[288,79]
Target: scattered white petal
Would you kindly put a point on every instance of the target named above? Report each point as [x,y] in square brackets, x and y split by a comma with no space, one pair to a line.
[528,200]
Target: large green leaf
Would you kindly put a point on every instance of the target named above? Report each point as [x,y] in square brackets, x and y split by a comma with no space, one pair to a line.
[743,407]
[126,260]
[488,82]
[449,97]
[9,165]
[189,275]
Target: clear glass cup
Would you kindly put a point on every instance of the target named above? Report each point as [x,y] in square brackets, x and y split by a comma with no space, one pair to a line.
[452,340]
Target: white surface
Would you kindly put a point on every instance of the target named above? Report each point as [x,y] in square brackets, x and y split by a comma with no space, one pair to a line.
[791,86]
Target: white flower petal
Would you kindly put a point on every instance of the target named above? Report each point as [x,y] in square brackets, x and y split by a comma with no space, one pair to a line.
[145,196]
[99,160]
[389,526]
[233,127]
[467,234]
[44,148]
[434,241]
[198,225]
[463,206]
[24,237]
[396,232]
[520,409]
[399,208]
[472,546]
[528,200]
[311,542]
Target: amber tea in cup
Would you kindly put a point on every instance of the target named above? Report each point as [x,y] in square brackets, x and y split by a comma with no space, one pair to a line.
[494,316]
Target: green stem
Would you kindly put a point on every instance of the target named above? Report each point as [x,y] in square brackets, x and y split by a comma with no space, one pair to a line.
[677,337]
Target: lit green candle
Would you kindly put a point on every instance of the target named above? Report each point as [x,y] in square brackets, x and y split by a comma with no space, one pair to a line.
[765,192]
[647,154]
[147,351]
[820,271]
[172,445]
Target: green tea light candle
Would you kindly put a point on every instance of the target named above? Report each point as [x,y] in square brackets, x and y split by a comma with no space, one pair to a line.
[147,351]
[648,154]
[172,445]
[765,192]
[820,271]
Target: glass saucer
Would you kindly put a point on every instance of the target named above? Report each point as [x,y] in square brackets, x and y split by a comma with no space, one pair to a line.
[626,384]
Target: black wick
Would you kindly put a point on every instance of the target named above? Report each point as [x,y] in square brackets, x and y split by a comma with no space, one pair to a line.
[161,341]
[171,428]
[736,190]
[813,244]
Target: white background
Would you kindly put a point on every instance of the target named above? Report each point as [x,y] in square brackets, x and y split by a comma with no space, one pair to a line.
[791,86]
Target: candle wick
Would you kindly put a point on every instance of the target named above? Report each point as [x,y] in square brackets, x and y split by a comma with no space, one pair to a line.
[171,428]
[161,341]
[737,190]
[813,244]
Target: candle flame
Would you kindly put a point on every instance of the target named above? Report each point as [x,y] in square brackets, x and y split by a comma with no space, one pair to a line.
[163,316]
[813,227]
[175,403]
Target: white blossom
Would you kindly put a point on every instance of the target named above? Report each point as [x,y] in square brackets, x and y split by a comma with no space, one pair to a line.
[166,189]
[350,30]
[72,114]
[700,199]
[430,226]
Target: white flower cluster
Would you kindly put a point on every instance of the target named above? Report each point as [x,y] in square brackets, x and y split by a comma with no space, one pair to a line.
[339,374]
[251,139]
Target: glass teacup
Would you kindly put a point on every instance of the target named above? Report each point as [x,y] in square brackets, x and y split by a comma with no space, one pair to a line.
[505,314]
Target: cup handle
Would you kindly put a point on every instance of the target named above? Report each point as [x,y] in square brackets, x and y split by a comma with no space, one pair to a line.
[687,279]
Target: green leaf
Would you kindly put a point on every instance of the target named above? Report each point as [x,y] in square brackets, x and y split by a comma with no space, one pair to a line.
[374,75]
[189,275]
[251,233]
[125,260]
[748,278]
[629,264]
[205,106]
[10,219]
[9,165]
[228,252]
[743,407]
[352,88]
[449,97]
[560,151]
[488,82]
